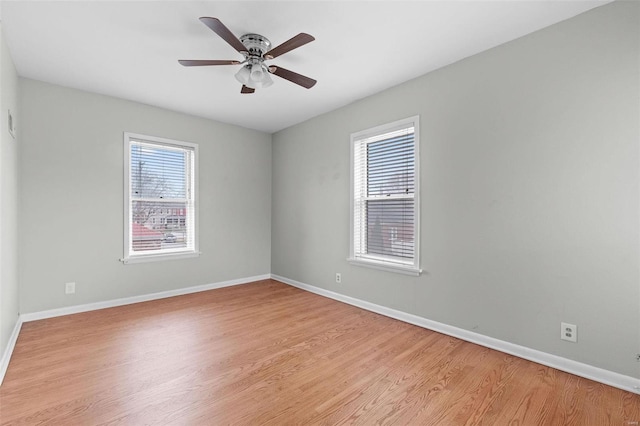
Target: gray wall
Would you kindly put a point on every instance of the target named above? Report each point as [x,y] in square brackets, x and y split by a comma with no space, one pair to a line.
[71,189]
[8,199]
[530,192]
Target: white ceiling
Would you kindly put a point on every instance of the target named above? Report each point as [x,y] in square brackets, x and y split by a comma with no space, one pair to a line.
[130,49]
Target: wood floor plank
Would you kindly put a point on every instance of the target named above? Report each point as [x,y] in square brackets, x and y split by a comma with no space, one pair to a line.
[267,353]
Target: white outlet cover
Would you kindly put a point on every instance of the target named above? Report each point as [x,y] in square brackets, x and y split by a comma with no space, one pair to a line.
[70,288]
[569,332]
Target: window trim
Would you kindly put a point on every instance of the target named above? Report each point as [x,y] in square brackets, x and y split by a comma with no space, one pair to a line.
[128,256]
[377,262]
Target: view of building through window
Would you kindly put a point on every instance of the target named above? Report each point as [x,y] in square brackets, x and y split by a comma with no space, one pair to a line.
[158,225]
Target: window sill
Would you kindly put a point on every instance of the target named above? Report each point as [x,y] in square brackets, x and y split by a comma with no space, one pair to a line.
[159,257]
[388,267]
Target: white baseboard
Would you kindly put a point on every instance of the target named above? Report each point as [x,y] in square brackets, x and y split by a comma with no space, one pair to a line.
[8,351]
[34,316]
[597,374]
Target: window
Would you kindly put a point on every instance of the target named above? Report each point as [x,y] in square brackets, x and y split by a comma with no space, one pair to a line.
[160,179]
[385,197]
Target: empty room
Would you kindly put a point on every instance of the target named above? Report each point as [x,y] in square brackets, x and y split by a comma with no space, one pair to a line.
[320,212]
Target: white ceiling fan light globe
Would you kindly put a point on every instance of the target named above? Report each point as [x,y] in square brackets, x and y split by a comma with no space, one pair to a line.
[256,72]
[254,84]
[243,75]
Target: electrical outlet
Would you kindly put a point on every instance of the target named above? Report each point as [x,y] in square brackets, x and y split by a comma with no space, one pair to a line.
[638,357]
[569,332]
[338,277]
[69,288]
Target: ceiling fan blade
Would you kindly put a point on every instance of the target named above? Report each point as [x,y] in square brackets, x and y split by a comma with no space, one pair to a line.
[199,63]
[246,89]
[293,77]
[219,28]
[293,43]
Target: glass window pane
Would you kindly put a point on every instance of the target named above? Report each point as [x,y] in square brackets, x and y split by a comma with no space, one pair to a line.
[390,228]
[158,225]
[158,172]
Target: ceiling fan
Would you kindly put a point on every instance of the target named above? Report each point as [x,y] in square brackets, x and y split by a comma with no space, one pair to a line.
[256,49]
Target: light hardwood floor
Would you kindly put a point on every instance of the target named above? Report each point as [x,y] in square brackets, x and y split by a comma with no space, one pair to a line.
[267,353]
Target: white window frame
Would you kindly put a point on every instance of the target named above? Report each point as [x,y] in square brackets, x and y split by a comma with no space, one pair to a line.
[374,261]
[129,255]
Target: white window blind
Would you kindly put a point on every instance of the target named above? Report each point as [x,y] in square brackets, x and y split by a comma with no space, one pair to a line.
[160,188]
[384,205]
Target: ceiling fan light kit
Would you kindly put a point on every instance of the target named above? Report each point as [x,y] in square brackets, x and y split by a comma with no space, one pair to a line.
[254,76]
[256,49]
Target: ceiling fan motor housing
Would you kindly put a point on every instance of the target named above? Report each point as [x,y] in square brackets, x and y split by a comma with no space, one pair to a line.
[256,44]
